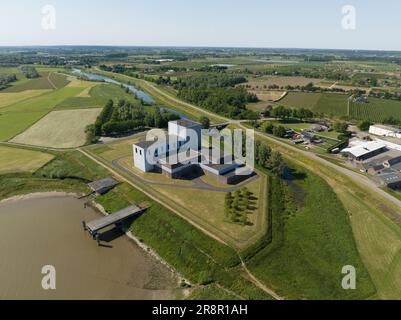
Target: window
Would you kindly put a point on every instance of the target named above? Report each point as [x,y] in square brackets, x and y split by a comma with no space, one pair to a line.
[136,150]
[140,152]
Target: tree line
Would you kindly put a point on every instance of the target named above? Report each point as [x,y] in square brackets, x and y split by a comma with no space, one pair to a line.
[6,79]
[124,117]
[217,92]
[29,72]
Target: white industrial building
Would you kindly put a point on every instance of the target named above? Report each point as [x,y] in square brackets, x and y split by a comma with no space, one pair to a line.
[366,150]
[385,131]
[184,138]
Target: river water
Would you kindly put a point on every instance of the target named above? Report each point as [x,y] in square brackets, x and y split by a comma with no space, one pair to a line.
[139,93]
[35,232]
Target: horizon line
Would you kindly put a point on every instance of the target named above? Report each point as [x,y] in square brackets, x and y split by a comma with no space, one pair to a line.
[192,46]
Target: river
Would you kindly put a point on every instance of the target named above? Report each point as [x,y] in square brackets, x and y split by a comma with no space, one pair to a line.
[138,93]
[47,230]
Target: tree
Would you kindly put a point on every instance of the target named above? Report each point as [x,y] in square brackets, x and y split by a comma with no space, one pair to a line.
[279,131]
[205,122]
[267,127]
[364,125]
[91,134]
[277,163]
[340,127]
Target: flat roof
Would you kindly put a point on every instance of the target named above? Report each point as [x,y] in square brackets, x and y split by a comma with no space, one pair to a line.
[365,148]
[186,123]
[112,218]
[386,127]
[144,144]
[104,183]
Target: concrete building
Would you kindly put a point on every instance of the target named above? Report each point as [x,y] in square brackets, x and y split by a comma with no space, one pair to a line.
[184,142]
[385,131]
[364,151]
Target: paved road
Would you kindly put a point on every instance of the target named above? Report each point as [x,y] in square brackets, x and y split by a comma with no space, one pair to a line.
[197,183]
[358,178]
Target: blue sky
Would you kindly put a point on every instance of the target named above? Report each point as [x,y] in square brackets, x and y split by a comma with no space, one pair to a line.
[238,23]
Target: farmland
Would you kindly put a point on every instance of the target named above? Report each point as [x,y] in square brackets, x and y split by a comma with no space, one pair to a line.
[59,129]
[47,81]
[376,110]
[16,118]
[327,103]
[9,98]
[96,96]
[282,82]
[21,160]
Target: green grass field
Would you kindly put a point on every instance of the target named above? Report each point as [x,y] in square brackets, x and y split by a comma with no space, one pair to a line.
[16,118]
[49,81]
[21,160]
[59,129]
[10,98]
[312,241]
[328,103]
[98,96]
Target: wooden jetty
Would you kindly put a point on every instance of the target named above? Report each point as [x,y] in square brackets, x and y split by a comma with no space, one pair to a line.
[116,218]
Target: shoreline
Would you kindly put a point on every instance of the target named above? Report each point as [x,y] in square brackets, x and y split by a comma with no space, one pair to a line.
[97,207]
[144,247]
[40,195]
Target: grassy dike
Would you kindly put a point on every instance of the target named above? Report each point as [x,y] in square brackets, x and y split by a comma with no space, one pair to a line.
[213,267]
[309,241]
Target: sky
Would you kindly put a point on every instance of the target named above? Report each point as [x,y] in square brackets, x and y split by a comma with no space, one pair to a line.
[214,23]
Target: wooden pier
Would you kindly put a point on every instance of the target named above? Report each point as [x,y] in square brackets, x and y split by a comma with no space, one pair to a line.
[115,218]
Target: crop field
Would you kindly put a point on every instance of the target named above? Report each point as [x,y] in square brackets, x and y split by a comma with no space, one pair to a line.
[281,81]
[45,81]
[16,118]
[98,96]
[9,98]
[21,160]
[376,110]
[59,129]
[327,103]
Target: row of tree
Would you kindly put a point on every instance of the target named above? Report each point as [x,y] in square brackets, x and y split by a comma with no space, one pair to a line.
[125,117]
[284,113]
[29,72]
[6,79]
[237,206]
[269,159]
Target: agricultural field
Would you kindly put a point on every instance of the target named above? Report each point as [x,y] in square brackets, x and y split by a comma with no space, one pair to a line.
[376,110]
[282,81]
[21,160]
[9,98]
[96,95]
[47,81]
[59,129]
[18,117]
[331,104]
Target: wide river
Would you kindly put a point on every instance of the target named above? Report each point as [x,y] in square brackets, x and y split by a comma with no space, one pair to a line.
[47,230]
